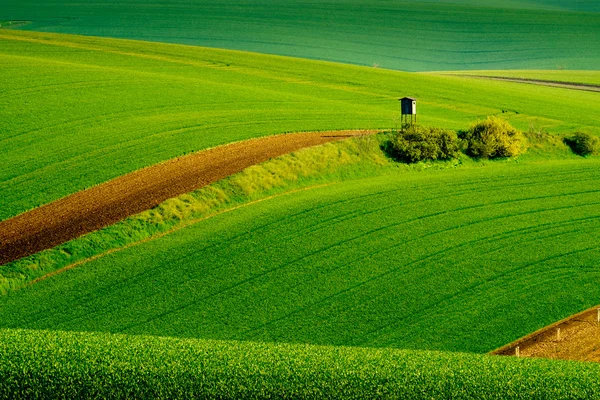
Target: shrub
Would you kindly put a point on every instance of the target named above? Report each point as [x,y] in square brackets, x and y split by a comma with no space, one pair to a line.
[492,138]
[421,143]
[583,143]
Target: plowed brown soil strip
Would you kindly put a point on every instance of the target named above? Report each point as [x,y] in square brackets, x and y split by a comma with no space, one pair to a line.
[573,338]
[108,203]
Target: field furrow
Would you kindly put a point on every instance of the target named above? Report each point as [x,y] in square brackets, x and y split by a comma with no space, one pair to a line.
[349,264]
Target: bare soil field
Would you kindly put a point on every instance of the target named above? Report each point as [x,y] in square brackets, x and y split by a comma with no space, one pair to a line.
[574,338]
[110,202]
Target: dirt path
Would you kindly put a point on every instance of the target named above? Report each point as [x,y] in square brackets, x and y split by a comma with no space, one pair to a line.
[566,85]
[110,202]
[573,338]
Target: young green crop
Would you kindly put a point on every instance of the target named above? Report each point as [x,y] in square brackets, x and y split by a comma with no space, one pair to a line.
[41,365]
[463,259]
[79,111]
[395,34]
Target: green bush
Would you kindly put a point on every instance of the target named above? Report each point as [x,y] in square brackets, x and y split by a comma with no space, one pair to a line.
[583,143]
[418,143]
[492,138]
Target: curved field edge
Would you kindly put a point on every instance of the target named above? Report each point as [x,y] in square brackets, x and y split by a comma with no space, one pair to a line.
[52,364]
[108,203]
[572,338]
[462,259]
[325,164]
[100,108]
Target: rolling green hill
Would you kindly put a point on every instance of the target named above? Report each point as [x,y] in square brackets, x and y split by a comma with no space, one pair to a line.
[349,287]
[462,259]
[428,257]
[79,111]
[40,365]
[404,35]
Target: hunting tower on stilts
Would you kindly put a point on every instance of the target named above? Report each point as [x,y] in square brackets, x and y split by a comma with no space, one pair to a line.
[408,111]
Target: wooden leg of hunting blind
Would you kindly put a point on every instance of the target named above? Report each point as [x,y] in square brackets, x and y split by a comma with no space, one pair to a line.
[517,351]
[599,315]
[557,334]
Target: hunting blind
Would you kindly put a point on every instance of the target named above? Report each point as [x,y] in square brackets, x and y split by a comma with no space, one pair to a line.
[408,109]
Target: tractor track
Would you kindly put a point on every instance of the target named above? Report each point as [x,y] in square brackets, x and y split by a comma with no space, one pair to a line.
[565,85]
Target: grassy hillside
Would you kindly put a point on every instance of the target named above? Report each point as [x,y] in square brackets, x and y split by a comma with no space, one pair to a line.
[39,365]
[461,259]
[406,35]
[78,111]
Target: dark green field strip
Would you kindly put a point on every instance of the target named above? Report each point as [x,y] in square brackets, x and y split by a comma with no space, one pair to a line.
[463,259]
[404,35]
[46,364]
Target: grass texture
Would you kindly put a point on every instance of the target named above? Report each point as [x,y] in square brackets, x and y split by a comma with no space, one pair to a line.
[404,35]
[463,259]
[42,364]
[79,111]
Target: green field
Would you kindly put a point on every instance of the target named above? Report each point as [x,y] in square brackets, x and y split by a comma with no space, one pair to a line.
[79,111]
[394,34]
[75,365]
[462,259]
[331,272]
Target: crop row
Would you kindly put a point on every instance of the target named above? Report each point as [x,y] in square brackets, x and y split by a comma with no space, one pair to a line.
[63,365]
[460,259]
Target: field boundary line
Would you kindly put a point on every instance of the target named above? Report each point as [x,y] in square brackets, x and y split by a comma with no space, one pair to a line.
[587,87]
[533,336]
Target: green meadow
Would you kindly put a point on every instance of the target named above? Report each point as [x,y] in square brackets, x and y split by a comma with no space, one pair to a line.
[394,34]
[78,111]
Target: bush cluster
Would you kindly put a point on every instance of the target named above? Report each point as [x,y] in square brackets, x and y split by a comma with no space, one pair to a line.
[492,138]
[418,143]
[583,143]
